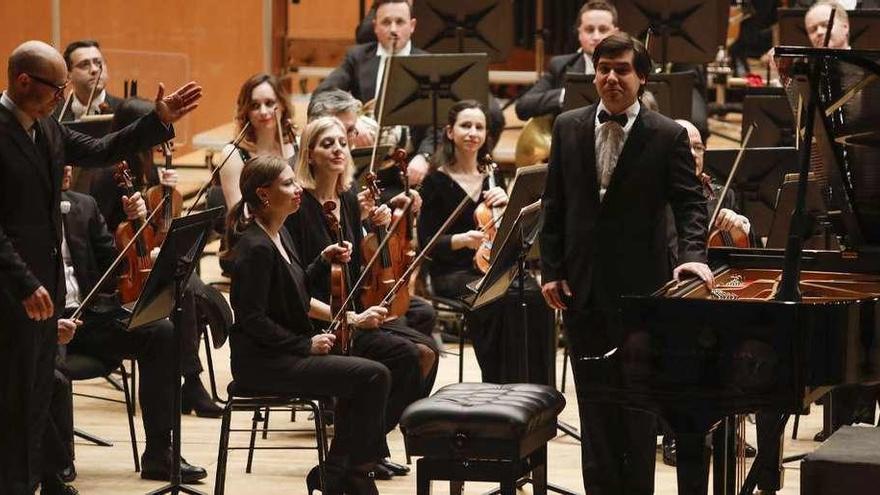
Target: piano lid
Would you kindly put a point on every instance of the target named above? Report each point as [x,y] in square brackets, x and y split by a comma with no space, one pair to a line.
[846,132]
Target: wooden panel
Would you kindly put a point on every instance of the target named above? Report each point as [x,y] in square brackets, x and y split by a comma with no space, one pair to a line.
[218,43]
[22,21]
[322,19]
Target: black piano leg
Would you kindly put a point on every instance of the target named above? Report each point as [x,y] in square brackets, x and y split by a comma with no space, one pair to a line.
[767,458]
[724,458]
[692,460]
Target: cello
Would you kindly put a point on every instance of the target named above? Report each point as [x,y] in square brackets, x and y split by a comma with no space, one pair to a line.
[131,283]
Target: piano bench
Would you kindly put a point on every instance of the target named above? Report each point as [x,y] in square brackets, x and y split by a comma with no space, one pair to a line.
[482,432]
[848,462]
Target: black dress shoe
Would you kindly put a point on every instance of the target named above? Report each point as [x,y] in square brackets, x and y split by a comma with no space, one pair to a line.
[68,474]
[54,486]
[194,398]
[750,451]
[158,467]
[395,468]
[821,436]
[380,472]
[668,450]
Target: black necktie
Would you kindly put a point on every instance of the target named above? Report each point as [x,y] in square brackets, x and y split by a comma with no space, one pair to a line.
[619,118]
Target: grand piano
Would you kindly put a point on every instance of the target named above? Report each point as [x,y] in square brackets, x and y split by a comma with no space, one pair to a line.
[782,327]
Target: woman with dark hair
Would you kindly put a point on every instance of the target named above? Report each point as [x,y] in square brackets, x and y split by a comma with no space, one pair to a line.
[458,170]
[275,348]
[262,103]
[325,169]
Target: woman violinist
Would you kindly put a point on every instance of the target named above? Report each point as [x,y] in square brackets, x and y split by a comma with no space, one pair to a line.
[324,168]
[496,329]
[275,348]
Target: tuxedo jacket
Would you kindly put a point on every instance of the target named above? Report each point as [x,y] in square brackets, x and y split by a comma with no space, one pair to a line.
[543,97]
[112,101]
[30,195]
[618,246]
[92,247]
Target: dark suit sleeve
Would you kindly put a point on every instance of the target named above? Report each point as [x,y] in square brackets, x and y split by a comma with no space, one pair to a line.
[86,151]
[342,77]
[101,240]
[552,237]
[544,97]
[252,267]
[14,272]
[688,202]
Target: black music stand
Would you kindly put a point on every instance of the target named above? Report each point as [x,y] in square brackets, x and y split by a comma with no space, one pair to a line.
[864,28]
[96,126]
[682,31]
[773,119]
[672,91]
[422,87]
[161,299]
[465,26]
[757,181]
[526,188]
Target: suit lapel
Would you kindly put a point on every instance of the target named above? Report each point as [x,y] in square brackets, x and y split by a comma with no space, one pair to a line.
[369,71]
[27,146]
[587,139]
[629,156]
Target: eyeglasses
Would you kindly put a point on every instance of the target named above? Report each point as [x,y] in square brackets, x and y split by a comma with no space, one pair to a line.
[59,90]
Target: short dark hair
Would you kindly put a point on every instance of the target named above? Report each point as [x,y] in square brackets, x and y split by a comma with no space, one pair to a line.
[596,5]
[76,45]
[379,3]
[619,43]
[331,103]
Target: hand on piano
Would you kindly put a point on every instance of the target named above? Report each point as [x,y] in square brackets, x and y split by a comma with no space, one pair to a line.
[695,269]
[553,292]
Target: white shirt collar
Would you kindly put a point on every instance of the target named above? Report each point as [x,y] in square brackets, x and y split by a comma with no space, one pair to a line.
[79,107]
[631,113]
[382,52]
[26,121]
[588,65]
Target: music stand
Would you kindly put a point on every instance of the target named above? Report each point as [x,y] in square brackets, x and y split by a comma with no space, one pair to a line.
[864,28]
[672,91]
[421,87]
[96,126]
[821,236]
[773,119]
[526,188]
[757,180]
[682,31]
[161,298]
[465,26]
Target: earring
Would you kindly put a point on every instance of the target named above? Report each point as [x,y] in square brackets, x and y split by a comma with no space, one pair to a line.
[265,203]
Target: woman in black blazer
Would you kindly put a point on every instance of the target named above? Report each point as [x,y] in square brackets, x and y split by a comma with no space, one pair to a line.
[274,347]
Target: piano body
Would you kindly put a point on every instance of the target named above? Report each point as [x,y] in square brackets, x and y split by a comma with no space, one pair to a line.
[782,327]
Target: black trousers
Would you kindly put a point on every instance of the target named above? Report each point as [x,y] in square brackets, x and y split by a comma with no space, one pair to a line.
[497,332]
[421,316]
[618,446]
[417,327]
[361,386]
[58,435]
[103,336]
[27,365]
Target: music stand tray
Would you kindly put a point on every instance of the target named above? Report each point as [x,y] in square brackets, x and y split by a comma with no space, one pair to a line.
[96,126]
[465,26]
[672,91]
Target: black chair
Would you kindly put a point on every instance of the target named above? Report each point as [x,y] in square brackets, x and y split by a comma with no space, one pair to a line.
[78,367]
[243,400]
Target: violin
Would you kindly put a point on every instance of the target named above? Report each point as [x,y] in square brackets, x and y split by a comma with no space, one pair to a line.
[394,256]
[131,283]
[172,207]
[487,220]
[338,288]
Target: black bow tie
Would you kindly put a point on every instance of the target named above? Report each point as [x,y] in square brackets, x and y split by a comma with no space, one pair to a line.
[619,118]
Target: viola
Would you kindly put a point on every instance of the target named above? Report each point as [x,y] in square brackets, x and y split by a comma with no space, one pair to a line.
[394,256]
[487,221]
[131,283]
[338,288]
[172,206]
[716,237]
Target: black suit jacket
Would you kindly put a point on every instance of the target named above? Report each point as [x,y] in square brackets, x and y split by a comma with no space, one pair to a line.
[92,247]
[270,298]
[112,101]
[543,97]
[30,195]
[619,245]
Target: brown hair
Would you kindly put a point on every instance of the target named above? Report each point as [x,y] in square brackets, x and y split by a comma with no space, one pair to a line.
[446,153]
[260,171]
[303,167]
[244,102]
[596,5]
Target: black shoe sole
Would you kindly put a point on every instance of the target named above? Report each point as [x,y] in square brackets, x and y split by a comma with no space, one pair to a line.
[185,479]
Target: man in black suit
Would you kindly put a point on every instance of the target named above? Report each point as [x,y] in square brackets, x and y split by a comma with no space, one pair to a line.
[87,250]
[33,149]
[613,168]
[84,65]
[596,20]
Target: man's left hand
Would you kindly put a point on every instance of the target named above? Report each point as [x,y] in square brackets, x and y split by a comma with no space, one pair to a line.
[729,221]
[173,107]
[417,170]
[134,207]
[700,270]
[168,177]
[67,329]
[401,199]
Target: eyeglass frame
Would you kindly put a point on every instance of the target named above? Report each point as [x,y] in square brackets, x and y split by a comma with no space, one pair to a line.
[59,90]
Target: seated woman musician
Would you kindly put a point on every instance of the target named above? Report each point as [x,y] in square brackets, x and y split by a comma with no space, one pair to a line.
[275,348]
[458,170]
[324,168]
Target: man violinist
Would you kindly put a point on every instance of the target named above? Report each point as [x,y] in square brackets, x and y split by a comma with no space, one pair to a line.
[87,70]
[614,166]
[33,149]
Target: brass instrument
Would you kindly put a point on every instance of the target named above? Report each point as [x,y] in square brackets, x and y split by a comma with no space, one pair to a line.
[533,143]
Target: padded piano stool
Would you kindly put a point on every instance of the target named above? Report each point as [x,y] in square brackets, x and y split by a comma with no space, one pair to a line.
[848,462]
[482,432]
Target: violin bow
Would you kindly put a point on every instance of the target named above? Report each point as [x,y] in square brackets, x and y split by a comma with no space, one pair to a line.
[733,170]
[204,188]
[94,90]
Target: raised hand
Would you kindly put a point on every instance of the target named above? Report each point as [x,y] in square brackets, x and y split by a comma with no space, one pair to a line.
[173,107]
